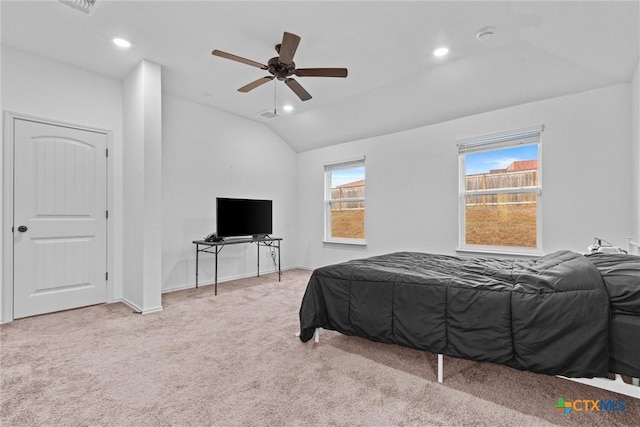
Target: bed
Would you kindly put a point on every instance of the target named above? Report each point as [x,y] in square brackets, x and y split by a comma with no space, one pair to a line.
[562,314]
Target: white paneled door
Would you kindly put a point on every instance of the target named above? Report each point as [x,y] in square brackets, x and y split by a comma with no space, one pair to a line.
[60,225]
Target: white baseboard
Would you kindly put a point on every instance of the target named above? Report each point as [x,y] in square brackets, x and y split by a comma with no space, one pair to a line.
[301,267]
[138,309]
[229,279]
[152,310]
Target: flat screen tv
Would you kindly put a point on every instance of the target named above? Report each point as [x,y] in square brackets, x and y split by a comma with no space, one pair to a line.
[243,217]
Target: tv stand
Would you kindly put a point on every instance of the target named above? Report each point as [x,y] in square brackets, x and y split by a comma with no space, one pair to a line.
[216,247]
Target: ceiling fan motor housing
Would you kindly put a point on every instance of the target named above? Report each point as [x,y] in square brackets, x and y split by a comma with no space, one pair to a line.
[280,70]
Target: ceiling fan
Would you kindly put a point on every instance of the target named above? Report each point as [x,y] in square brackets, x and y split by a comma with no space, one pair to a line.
[282,67]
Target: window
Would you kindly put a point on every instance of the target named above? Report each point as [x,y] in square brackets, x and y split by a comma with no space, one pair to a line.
[345,202]
[500,192]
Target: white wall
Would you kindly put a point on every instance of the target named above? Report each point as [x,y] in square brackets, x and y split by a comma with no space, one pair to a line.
[40,87]
[635,144]
[207,154]
[412,178]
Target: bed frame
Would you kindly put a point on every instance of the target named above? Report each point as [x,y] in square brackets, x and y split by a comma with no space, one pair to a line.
[617,385]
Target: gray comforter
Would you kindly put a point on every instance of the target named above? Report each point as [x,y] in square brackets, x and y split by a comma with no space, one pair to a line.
[548,315]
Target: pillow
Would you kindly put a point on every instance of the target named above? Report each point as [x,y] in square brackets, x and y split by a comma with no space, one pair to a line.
[621,276]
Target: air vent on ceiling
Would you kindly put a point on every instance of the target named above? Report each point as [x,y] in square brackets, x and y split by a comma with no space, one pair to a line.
[268,114]
[86,6]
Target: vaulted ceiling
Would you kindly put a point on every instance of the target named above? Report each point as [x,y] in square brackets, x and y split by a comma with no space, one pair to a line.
[540,49]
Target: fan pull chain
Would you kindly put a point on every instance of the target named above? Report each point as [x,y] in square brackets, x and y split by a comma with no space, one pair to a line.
[275,87]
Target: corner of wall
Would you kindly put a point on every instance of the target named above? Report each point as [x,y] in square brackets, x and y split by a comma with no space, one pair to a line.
[142,169]
[2,233]
[635,150]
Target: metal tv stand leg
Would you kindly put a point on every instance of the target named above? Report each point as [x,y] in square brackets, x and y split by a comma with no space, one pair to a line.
[215,278]
[197,256]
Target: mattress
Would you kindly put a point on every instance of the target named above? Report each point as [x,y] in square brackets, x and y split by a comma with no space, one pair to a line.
[621,276]
[549,315]
[624,345]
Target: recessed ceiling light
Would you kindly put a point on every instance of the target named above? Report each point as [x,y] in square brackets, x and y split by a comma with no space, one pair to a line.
[441,51]
[210,96]
[288,108]
[122,42]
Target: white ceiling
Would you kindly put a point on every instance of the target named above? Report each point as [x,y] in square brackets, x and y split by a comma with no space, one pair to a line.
[540,49]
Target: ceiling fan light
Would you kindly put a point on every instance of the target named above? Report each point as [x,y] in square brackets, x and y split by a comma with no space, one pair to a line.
[441,51]
[288,108]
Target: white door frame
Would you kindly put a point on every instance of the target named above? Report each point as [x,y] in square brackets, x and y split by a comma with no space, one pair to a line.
[7,206]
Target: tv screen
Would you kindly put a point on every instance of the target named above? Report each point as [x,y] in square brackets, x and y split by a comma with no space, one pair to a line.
[243,217]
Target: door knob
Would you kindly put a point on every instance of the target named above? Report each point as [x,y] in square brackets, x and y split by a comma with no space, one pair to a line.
[22,228]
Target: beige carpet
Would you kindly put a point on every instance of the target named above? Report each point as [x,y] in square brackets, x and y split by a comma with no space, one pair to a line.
[234,360]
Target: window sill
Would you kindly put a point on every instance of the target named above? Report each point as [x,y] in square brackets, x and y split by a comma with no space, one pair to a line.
[500,251]
[348,242]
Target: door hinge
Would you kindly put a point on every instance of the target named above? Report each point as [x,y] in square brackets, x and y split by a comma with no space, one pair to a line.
[106,276]
[107,214]
[107,152]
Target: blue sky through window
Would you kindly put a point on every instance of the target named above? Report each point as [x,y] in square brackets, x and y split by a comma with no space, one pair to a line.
[484,161]
[345,176]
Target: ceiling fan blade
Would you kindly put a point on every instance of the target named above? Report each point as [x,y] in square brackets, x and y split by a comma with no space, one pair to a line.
[298,89]
[237,58]
[321,72]
[255,84]
[288,47]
